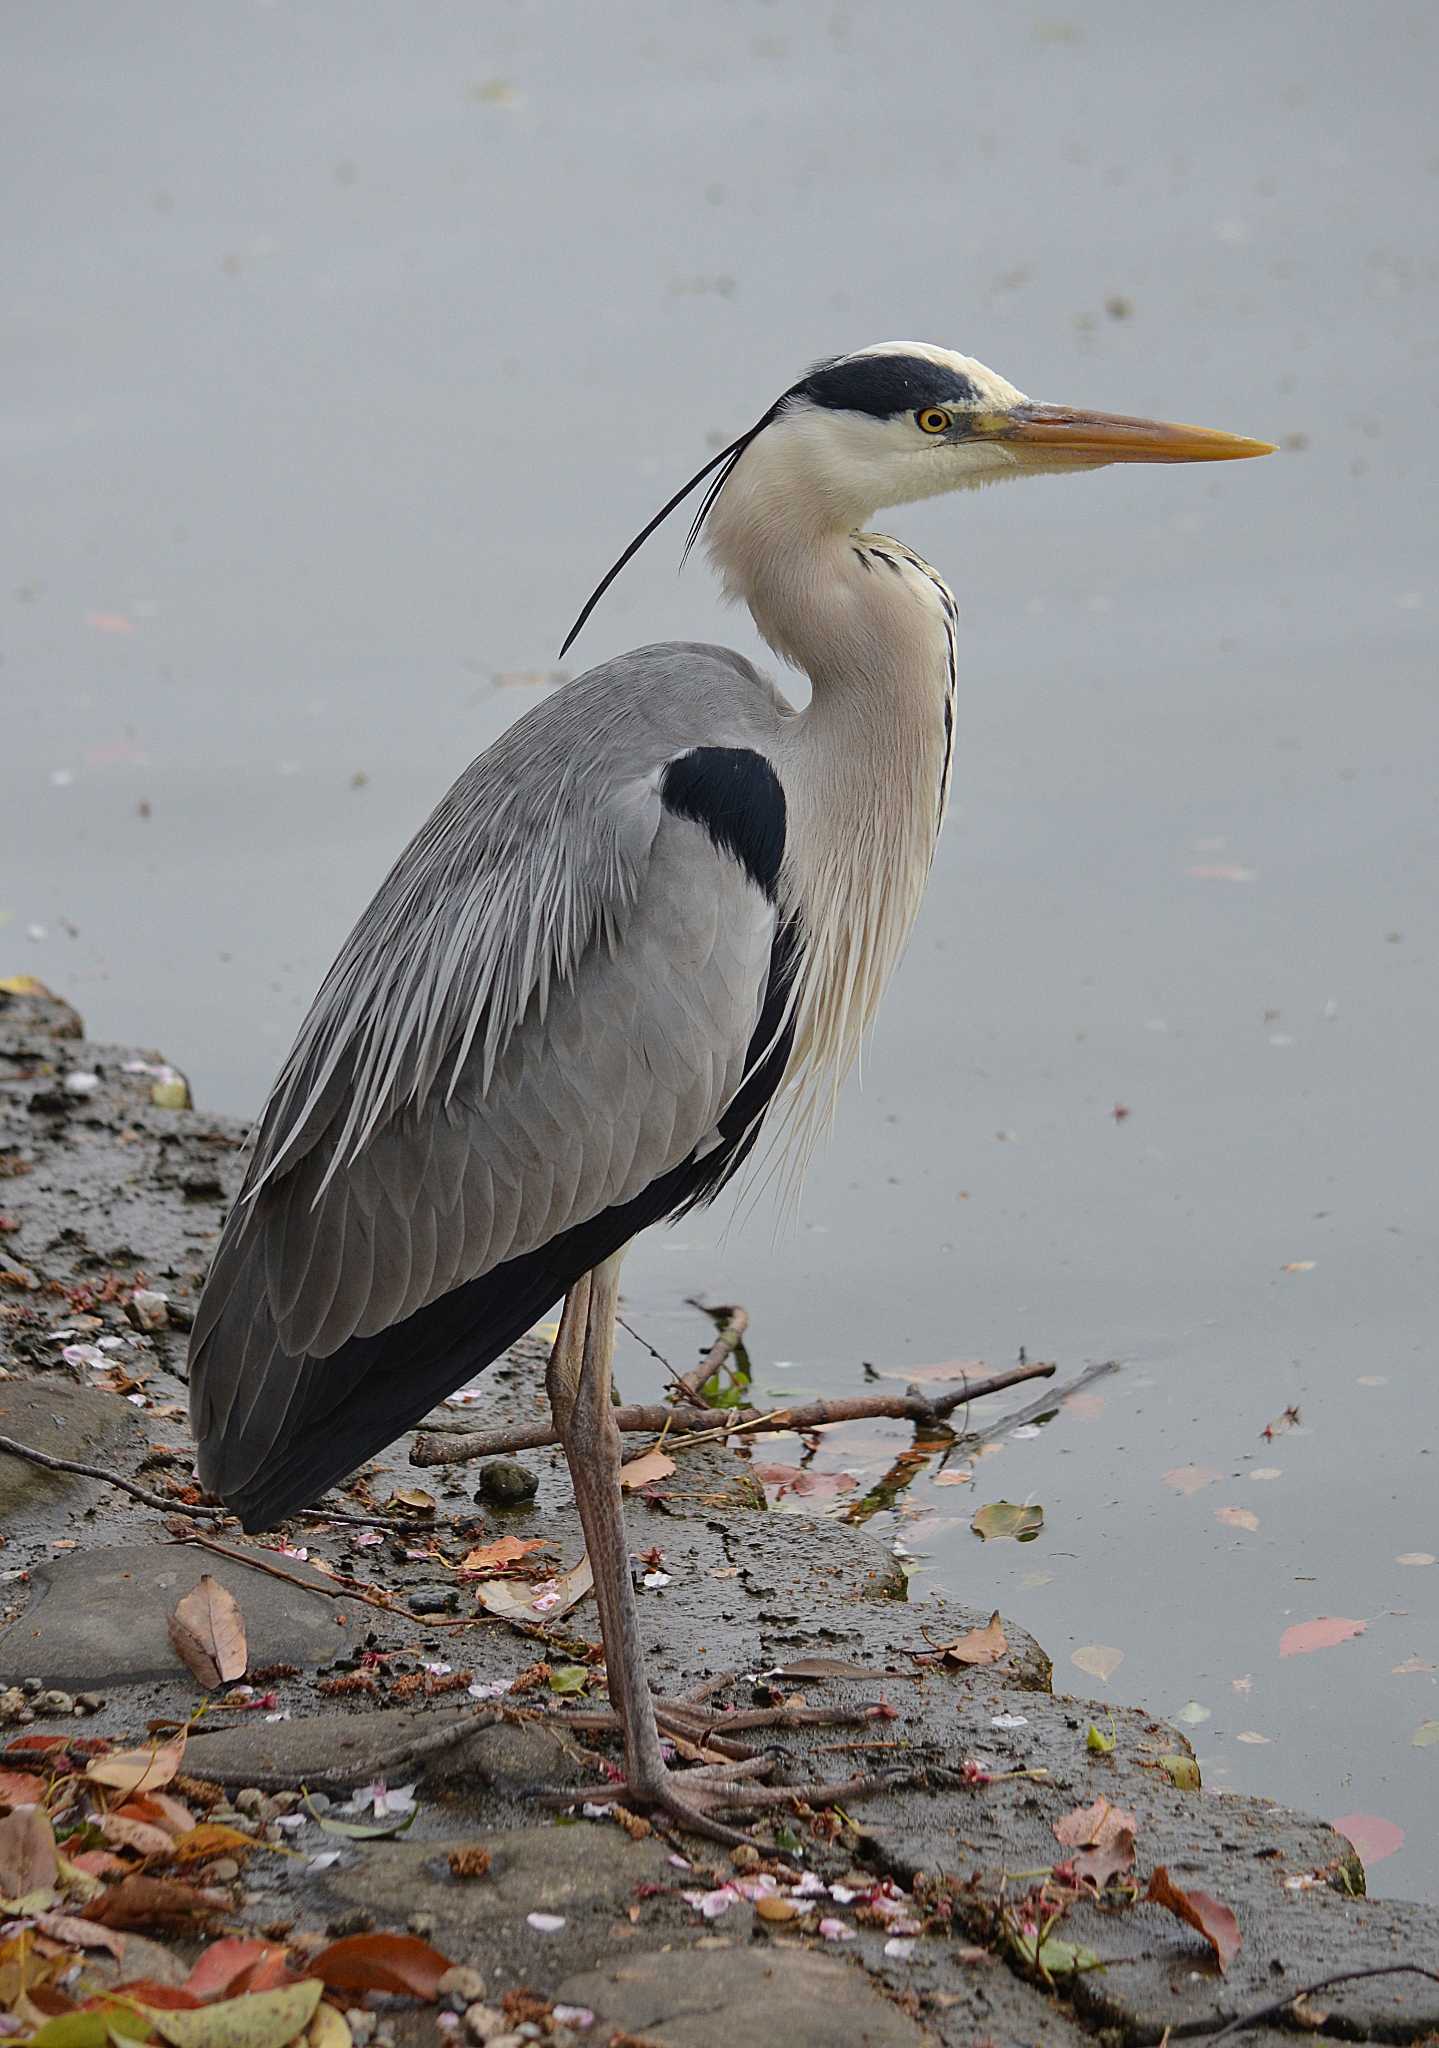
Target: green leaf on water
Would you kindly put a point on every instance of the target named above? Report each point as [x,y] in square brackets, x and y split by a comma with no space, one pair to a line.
[1426,1733]
[1007,1518]
[1182,1771]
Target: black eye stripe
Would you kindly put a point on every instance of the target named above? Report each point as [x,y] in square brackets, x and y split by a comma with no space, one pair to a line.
[885,385]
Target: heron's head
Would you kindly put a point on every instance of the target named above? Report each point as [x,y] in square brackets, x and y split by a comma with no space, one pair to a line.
[899,421]
[906,420]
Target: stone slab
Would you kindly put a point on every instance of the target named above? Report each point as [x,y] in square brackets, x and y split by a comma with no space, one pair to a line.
[583,1874]
[717,1997]
[97,1618]
[64,1421]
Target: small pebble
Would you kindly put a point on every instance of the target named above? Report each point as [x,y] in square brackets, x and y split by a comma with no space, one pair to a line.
[505,1482]
[14,1706]
[90,1702]
[287,1802]
[224,1870]
[256,1804]
[54,1702]
[30,1686]
[356,1921]
[362,2024]
[321,1802]
[437,1601]
[745,1857]
[460,1987]
[484,2024]
[421,1924]
[149,1310]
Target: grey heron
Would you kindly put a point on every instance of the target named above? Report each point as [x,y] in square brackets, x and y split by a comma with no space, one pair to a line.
[658,912]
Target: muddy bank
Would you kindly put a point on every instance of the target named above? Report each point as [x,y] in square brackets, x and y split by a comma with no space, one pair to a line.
[367,1663]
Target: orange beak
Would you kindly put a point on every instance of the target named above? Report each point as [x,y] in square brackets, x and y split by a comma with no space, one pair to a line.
[1058,430]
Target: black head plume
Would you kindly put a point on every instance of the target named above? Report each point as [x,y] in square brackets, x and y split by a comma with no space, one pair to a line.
[722,463]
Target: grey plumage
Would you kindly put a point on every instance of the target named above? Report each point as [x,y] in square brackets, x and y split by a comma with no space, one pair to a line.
[545,1010]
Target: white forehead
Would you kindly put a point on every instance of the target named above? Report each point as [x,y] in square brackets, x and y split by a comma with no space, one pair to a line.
[989,381]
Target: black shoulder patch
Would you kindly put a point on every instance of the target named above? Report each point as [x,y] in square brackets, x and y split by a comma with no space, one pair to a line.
[737,797]
[885,385]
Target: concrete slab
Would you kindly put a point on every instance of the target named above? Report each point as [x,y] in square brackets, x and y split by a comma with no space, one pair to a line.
[63,1421]
[97,1618]
[713,1998]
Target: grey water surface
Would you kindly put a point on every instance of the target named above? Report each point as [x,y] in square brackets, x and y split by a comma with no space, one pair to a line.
[340,351]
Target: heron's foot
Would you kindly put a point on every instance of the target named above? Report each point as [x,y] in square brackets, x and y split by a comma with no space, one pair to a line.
[695,1798]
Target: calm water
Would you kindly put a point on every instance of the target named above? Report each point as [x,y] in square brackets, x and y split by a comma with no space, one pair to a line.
[338,358]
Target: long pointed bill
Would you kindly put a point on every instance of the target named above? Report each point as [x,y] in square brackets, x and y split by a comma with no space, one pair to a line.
[1093,437]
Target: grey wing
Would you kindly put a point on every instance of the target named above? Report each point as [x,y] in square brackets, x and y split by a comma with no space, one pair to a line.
[545,1014]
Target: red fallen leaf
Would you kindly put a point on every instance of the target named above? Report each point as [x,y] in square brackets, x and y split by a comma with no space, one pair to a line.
[1190,1478]
[1094,1826]
[100,1863]
[22,1746]
[217,1973]
[381,1962]
[795,1479]
[1372,1836]
[1322,1634]
[22,1788]
[273,1974]
[145,1991]
[158,1810]
[155,1902]
[1197,1910]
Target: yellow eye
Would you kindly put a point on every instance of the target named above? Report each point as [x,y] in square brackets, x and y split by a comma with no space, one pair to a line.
[930,420]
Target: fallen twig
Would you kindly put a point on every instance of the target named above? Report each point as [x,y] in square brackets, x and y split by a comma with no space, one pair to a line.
[730,1336]
[1279,2006]
[140,1493]
[914,1407]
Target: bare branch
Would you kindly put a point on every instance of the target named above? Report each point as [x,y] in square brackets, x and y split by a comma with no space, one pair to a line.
[433,1449]
[140,1493]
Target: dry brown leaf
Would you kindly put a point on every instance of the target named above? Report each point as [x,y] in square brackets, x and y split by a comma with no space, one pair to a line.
[1093,1826]
[134,1834]
[138,1901]
[76,1933]
[27,1853]
[1198,1910]
[207,1632]
[645,1470]
[979,1646]
[1106,1860]
[545,1601]
[505,1550]
[211,1838]
[137,1770]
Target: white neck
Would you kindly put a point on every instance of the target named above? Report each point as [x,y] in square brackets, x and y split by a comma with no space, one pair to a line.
[874,629]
